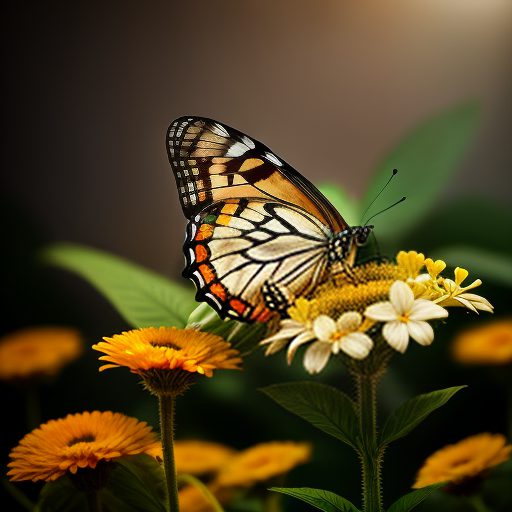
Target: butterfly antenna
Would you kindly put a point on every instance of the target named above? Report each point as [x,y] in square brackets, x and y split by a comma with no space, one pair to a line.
[393,174]
[385,209]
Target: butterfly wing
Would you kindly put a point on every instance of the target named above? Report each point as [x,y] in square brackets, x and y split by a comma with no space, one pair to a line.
[235,247]
[213,162]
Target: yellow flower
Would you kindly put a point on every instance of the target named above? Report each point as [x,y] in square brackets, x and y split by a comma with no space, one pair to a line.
[263,462]
[79,441]
[200,457]
[411,262]
[168,358]
[489,344]
[38,351]
[464,460]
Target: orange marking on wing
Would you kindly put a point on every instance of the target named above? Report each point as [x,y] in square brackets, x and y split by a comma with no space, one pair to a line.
[218,290]
[224,219]
[250,163]
[229,208]
[238,306]
[217,160]
[205,231]
[207,273]
[202,196]
[201,253]
[261,314]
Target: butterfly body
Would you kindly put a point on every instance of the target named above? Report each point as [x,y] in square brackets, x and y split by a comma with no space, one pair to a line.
[259,233]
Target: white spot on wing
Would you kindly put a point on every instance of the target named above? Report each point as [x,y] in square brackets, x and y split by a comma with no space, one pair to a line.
[237,149]
[273,158]
[248,142]
[219,130]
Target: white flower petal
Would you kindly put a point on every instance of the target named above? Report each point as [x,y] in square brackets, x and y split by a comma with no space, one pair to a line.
[283,334]
[381,312]
[349,321]
[397,335]
[401,296]
[356,345]
[324,327]
[305,337]
[478,301]
[275,346]
[316,356]
[423,309]
[421,331]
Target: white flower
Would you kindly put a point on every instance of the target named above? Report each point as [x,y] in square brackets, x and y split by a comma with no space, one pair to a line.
[290,330]
[331,338]
[405,317]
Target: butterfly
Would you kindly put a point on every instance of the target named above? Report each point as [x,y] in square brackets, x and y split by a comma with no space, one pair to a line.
[258,233]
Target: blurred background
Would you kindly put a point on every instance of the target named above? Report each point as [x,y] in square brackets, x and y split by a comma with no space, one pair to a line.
[331,87]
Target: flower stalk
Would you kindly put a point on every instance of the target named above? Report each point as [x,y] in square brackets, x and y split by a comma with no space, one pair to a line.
[167,405]
[369,452]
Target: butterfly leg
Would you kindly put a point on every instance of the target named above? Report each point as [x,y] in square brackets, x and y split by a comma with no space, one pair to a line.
[277,298]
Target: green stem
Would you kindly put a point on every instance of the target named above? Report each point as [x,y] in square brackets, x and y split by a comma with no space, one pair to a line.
[212,500]
[93,501]
[369,452]
[478,504]
[167,407]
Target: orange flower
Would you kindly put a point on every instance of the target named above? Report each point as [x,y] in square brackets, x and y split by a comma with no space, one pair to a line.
[168,348]
[37,351]
[200,457]
[193,500]
[464,460]
[263,462]
[79,441]
[489,344]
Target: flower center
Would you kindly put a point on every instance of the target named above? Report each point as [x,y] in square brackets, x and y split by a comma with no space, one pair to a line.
[88,438]
[404,317]
[167,344]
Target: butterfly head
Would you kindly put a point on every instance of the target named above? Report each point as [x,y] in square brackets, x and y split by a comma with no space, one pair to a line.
[341,243]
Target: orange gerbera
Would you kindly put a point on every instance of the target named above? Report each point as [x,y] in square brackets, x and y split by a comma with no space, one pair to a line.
[200,457]
[37,351]
[263,462]
[79,441]
[465,460]
[489,344]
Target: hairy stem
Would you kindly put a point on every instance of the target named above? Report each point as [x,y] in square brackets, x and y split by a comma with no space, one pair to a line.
[369,452]
[167,408]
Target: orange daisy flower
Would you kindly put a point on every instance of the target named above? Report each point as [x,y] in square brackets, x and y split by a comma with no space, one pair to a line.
[37,351]
[465,460]
[489,344]
[200,457]
[168,358]
[79,441]
[263,462]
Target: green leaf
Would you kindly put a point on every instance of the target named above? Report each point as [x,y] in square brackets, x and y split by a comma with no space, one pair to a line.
[410,500]
[142,297]
[410,414]
[480,262]
[61,496]
[243,336]
[136,484]
[346,205]
[426,160]
[323,500]
[323,406]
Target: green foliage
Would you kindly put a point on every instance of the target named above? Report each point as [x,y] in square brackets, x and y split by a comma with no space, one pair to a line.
[410,414]
[412,499]
[135,485]
[323,500]
[426,159]
[323,406]
[243,336]
[142,297]
[480,262]
[347,206]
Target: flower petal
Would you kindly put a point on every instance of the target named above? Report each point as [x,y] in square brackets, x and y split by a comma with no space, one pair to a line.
[305,337]
[381,312]
[283,334]
[356,345]
[478,302]
[275,346]
[460,275]
[397,335]
[324,327]
[421,331]
[349,321]
[401,296]
[423,309]
[316,356]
